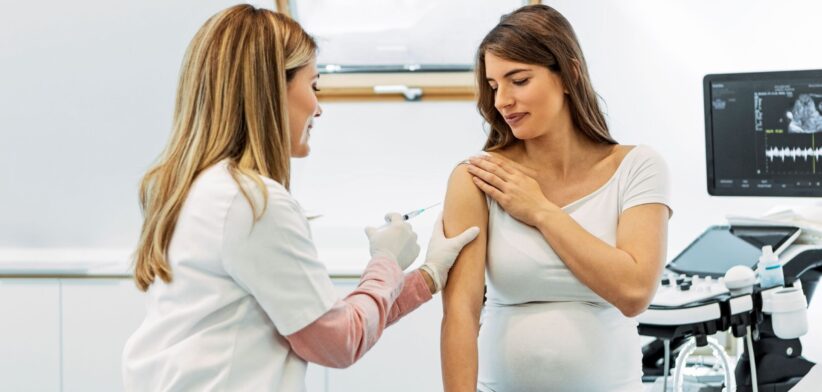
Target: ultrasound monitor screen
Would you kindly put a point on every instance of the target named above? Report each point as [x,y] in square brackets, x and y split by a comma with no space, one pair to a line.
[721,247]
[764,133]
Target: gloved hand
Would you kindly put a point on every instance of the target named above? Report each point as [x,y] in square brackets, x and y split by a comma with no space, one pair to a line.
[442,252]
[396,241]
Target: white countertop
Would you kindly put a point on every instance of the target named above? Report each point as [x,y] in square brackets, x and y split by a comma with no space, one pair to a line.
[71,262]
[65,262]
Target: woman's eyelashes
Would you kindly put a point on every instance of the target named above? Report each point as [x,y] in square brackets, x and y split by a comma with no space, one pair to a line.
[515,82]
[521,82]
[314,87]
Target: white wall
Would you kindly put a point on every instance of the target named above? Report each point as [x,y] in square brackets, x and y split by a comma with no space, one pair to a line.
[86,97]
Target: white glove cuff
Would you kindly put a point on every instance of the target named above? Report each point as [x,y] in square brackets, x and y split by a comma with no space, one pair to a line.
[434,276]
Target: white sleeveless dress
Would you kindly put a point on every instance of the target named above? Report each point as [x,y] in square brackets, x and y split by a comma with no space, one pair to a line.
[542,329]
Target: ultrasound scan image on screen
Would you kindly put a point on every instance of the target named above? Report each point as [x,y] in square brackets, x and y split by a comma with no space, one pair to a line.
[764,133]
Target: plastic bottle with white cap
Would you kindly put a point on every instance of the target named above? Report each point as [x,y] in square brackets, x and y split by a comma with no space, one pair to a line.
[769,269]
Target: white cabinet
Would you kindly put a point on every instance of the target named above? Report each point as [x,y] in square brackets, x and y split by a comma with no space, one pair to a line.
[29,335]
[98,317]
[316,378]
[812,341]
[406,358]
[68,335]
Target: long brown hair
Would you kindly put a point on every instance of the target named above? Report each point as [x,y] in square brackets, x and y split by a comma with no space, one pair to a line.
[231,105]
[540,35]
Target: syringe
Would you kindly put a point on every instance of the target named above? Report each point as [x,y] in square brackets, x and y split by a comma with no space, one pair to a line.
[414,213]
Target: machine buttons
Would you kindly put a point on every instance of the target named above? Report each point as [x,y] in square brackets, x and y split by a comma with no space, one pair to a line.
[685,284]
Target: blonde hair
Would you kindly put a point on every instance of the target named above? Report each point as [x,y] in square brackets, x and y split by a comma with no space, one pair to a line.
[231,104]
[540,35]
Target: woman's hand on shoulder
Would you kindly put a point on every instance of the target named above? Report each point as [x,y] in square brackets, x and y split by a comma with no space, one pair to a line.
[512,186]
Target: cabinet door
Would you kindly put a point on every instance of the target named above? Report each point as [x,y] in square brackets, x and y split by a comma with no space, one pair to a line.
[98,317]
[812,341]
[406,358]
[29,335]
[315,378]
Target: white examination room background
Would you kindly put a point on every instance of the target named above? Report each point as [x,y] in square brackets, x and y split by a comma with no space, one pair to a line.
[646,58]
[87,89]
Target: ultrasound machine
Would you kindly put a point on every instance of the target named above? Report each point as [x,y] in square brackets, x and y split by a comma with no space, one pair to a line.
[760,133]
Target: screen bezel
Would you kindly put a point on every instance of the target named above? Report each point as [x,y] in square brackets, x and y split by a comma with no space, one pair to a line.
[707,81]
[791,234]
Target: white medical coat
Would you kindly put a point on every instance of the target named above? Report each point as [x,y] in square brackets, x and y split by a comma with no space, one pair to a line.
[238,287]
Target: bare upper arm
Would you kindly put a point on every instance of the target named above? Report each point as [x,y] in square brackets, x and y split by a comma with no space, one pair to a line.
[642,232]
[465,206]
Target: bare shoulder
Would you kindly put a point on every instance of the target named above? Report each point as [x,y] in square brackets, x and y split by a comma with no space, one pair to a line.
[461,188]
[465,204]
[460,181]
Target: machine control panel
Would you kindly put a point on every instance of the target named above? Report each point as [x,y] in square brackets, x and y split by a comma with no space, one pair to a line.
[678,290]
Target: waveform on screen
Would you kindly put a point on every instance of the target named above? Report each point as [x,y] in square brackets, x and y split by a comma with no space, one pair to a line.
[793,153]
